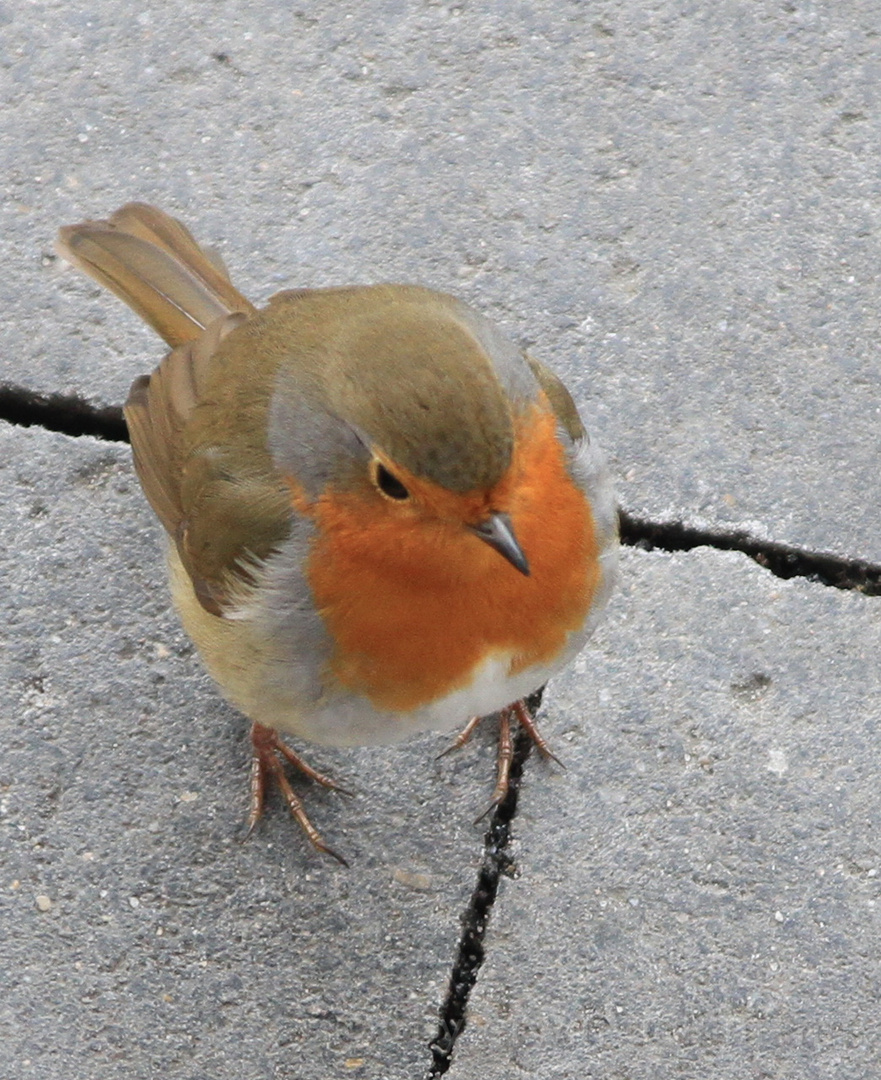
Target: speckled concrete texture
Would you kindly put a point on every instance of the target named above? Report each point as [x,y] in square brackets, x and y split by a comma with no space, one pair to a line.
[698,894]
[170,945]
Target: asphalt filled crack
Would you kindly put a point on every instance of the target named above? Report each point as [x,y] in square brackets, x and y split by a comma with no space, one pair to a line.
[71,415]
[66,414]
[782,560]
[469,957]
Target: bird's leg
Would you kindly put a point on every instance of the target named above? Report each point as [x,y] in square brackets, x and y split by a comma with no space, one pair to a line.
[266,746]
[503,762]
[505,757]
[531,728]
[463,737]
[520,712]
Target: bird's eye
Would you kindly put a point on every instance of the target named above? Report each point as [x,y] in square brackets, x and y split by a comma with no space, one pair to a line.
[389,484]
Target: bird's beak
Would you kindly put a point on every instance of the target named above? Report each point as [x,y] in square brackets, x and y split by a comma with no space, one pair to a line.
[498,532]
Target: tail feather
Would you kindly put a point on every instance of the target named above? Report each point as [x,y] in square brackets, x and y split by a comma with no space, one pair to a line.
[152,262]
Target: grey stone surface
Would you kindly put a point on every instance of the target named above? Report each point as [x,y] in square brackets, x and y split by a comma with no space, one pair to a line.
[169,947]
[699,894]
[675,204]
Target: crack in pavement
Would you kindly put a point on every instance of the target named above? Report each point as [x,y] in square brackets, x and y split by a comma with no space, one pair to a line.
[71,415]
[475,919]
[783,560]
[66,414]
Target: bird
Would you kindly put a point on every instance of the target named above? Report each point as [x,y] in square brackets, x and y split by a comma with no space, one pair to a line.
[383,517]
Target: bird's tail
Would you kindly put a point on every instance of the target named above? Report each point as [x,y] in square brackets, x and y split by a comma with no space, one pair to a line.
[152,262]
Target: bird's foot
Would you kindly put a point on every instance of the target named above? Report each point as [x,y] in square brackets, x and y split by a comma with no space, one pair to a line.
[267,750]
[519,712]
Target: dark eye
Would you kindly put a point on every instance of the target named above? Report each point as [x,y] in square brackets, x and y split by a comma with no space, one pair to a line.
[389,484]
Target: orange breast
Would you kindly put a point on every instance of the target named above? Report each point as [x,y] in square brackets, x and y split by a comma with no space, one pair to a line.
[415,602]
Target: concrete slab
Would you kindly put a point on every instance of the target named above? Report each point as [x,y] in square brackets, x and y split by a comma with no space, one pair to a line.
[676,206]
[699,894]
[141,937]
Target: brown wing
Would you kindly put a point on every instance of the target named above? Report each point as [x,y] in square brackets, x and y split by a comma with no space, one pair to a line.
[157,412]
[215,492]
[223,505]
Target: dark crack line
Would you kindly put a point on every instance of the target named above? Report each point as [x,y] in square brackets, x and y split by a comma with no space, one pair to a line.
[782,560]
[470,954]
[71,415]
[66,414]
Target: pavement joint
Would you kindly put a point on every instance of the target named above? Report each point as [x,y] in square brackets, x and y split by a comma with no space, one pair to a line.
[470,954]
[783,560]
[67,414]
[73,415]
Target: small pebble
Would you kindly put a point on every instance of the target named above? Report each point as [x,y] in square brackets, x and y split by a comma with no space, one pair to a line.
[413,879]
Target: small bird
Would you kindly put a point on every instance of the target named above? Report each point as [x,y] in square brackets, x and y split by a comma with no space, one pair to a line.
[384,518]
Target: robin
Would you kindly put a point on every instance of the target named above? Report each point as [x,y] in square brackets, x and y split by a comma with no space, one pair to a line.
[384,518]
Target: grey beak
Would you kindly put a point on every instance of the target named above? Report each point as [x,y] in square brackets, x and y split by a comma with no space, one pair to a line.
[498,532]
